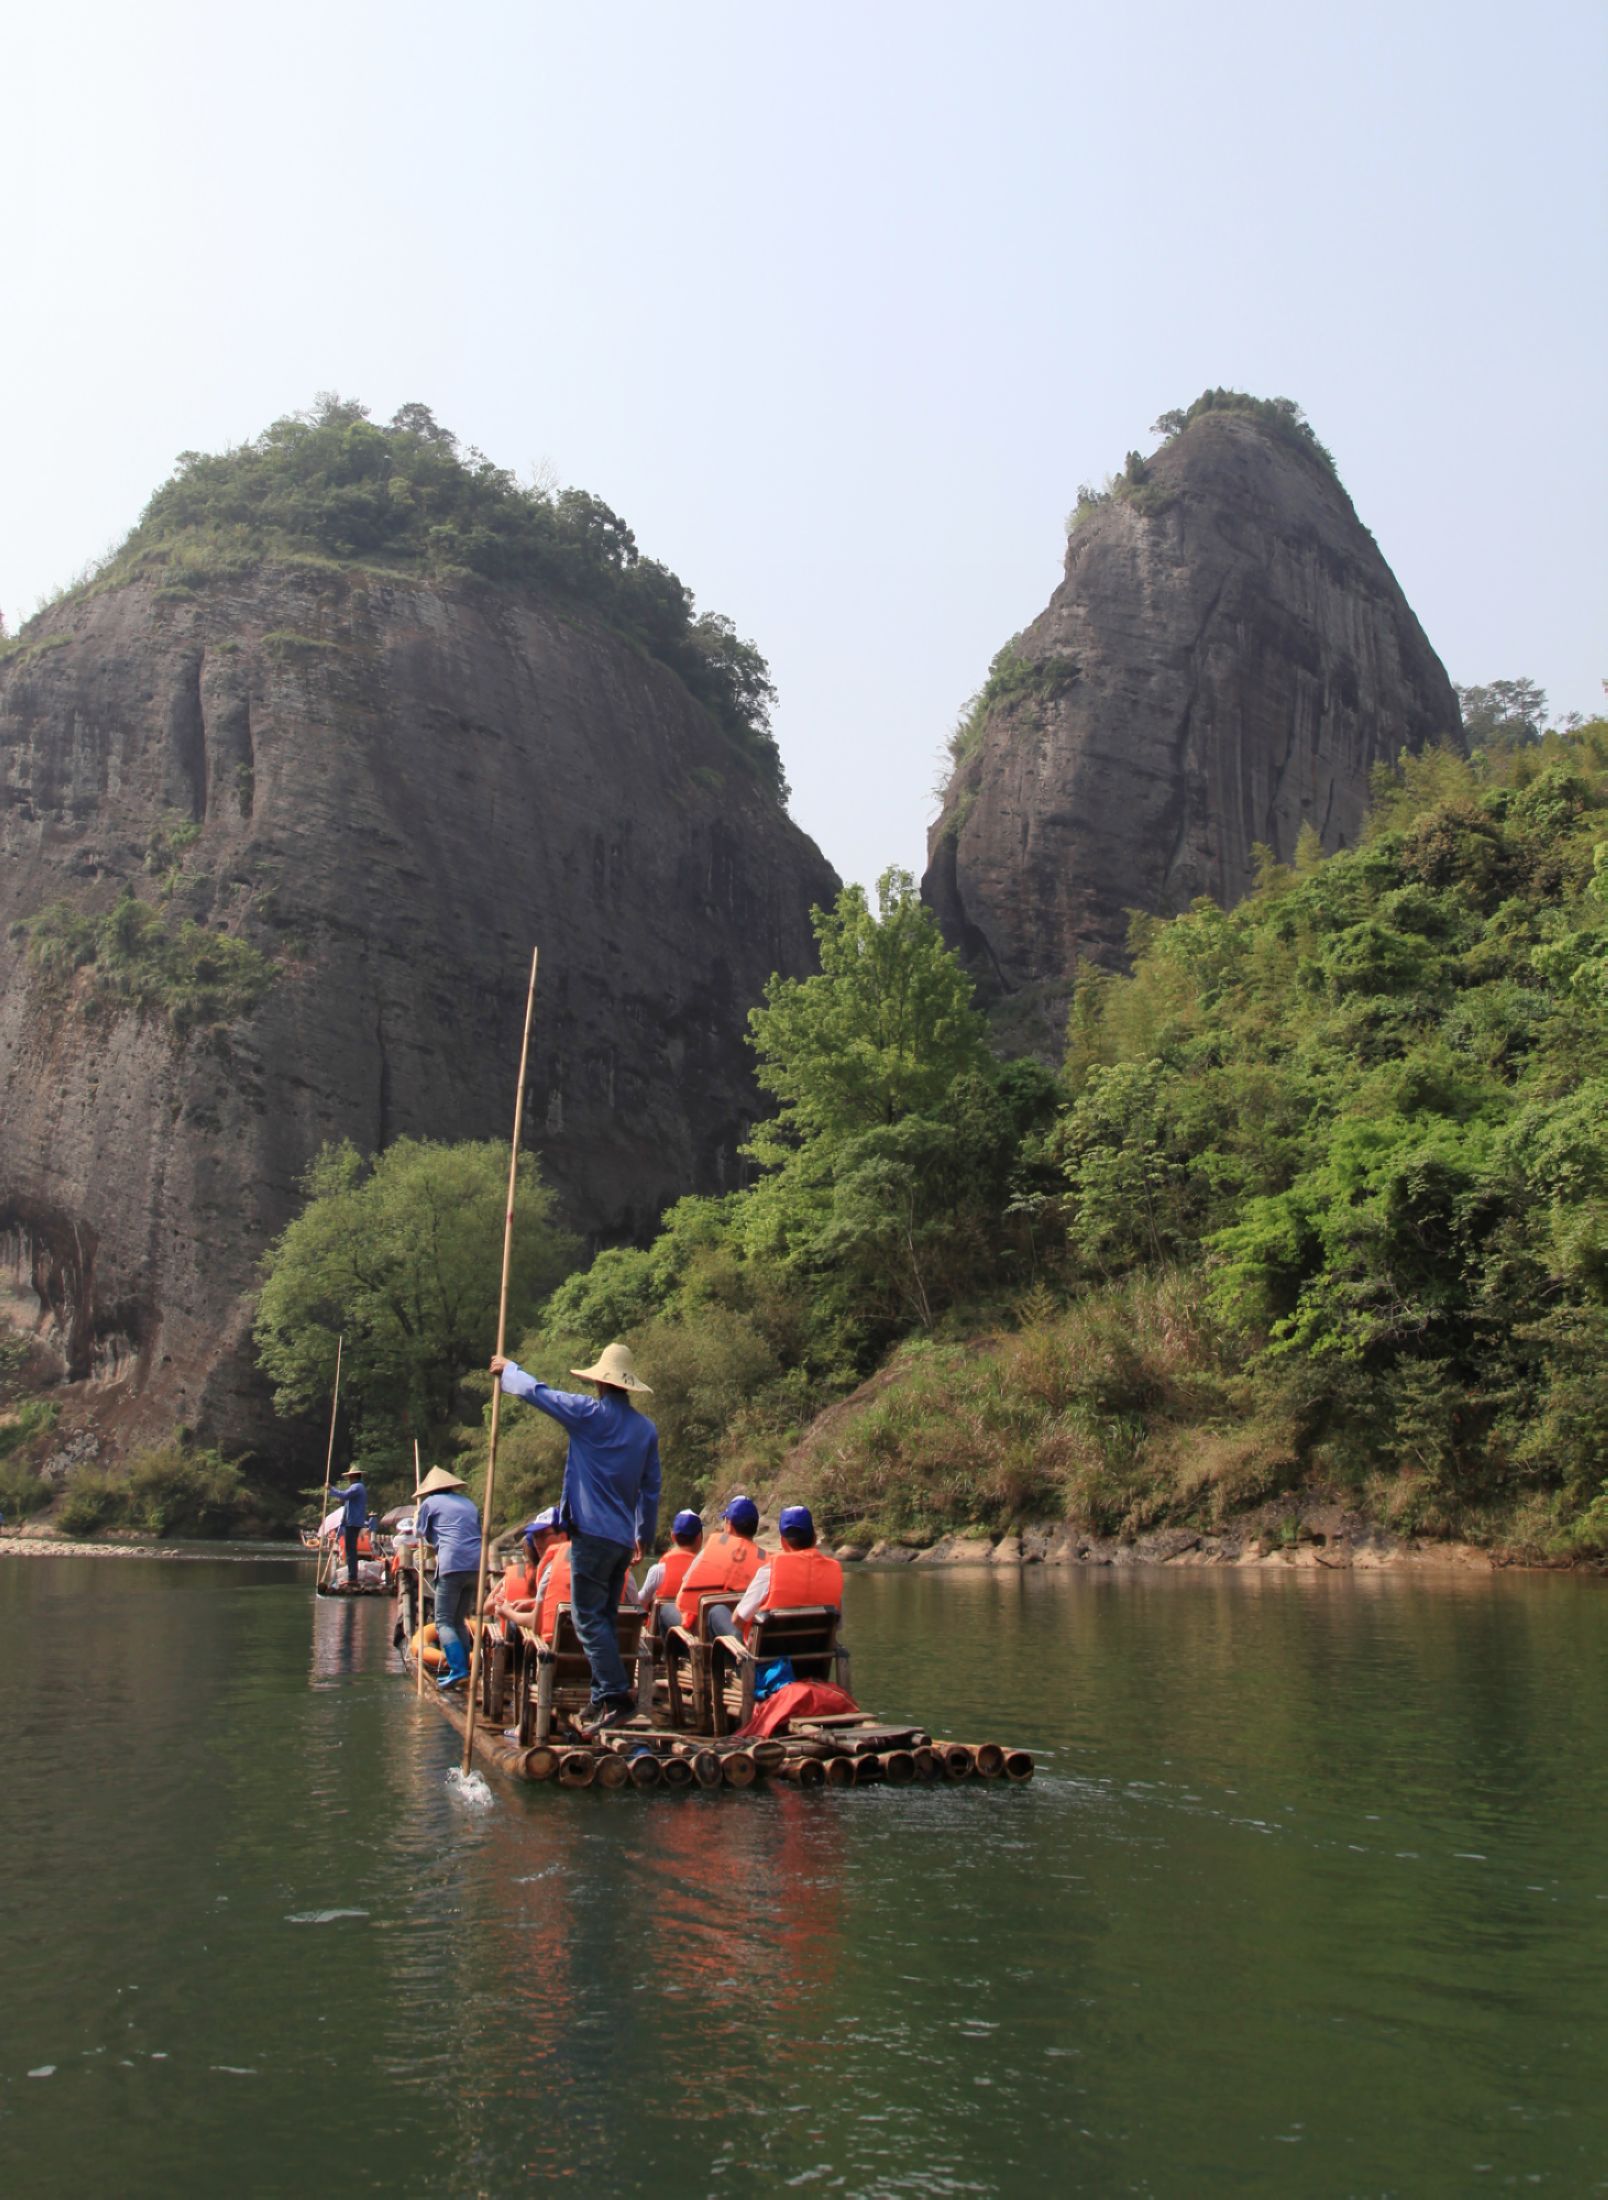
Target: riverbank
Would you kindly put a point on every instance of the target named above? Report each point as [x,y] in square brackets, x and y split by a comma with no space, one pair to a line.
[1342,1547]
[46,1545]
[1334,1542]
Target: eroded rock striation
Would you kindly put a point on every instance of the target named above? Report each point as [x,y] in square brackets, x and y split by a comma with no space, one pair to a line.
[386,789]
[1225,660]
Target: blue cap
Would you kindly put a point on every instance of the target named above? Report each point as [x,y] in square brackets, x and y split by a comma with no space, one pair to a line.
[686,1524]
[796,1520]
[543,1524]
[743,1514]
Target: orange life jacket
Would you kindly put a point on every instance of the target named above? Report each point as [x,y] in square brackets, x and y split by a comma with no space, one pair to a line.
[365,1544]
[556,1592]
[675,1562]
[518,1583]
[727,1562]
[803,1577]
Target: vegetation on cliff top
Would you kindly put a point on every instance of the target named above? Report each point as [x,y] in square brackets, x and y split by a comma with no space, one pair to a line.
[1013,675]
[335,486]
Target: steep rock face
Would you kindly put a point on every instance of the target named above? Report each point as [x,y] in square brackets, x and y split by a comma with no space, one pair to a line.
[394,789]
[1225,660]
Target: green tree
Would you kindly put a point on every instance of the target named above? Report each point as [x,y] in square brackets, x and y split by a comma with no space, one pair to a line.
[402,1256]
[1505,710]
[880,1033]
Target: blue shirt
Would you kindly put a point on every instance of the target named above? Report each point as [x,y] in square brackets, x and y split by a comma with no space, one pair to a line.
[611,1477]
[356,1502]
[450,1522]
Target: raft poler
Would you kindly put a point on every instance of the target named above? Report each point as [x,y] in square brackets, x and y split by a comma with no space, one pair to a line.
[661,1584]
[609,1505]
[448,1519]
[726,1565]
[354,1519]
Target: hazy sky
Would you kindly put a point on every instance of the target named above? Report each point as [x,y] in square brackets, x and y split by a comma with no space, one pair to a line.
[836,303]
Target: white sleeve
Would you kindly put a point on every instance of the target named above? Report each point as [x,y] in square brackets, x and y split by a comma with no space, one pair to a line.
[647,1595]
[753,1596]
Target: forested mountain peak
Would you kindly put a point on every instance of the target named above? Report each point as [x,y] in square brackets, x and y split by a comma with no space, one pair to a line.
[333,487]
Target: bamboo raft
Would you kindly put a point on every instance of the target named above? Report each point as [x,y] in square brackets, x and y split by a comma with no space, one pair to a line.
[842,1750]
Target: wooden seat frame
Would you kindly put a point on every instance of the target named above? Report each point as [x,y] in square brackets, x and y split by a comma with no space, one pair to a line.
[805,1634]
[556,1676]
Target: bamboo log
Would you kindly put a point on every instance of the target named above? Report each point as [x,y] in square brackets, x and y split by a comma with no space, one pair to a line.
[540,1763]
[496,1388]
[839,1772]
[805,1772]
[868,1769]
[956,1760]
[418,1569]
[1018,1764]
[676,1772]
[898,1766]
[611,1771]
[989,1759]
[738,1769]
[926,1760]
[706,1768]
[576,1768]
[643,1770]
[329,1463]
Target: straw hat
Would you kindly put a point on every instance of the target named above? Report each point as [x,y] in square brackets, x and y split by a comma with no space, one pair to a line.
[614,1366]
[439,1479]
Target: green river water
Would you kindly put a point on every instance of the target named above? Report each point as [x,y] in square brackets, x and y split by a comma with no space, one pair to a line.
[1310,1896]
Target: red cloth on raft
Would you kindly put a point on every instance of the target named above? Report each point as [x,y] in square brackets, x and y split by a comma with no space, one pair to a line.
[798,1700]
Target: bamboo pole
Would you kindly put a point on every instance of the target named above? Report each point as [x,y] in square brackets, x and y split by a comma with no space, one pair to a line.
[418,1580]
[329,1462]
[496,1388]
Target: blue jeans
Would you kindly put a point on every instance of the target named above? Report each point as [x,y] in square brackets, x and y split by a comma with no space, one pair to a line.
[454,1599]
[349,1536]
[597,1575]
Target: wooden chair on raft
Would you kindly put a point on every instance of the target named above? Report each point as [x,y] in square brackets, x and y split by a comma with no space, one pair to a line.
[807,1635]
[722,1671]
[554,1677]
[686,1654]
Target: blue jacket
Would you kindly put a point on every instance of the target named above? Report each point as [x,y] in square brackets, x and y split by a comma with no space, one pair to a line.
[611,1477]
[450,1522]
[356,1502]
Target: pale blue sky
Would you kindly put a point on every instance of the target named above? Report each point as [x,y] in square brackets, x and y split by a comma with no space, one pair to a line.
[836,304]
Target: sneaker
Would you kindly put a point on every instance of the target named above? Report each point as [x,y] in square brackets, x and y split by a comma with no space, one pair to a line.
[619,1711]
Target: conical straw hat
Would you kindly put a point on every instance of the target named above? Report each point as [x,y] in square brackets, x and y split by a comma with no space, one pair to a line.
[439,1479]
[614,1366]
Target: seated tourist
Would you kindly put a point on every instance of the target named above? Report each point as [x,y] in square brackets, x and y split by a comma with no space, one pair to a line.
[553,1581]
[798,1574]
[725,1566]
[662,1582]
[514,1598]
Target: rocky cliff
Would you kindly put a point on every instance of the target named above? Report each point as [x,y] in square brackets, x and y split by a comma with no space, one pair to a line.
[348,804]
[1226,658]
